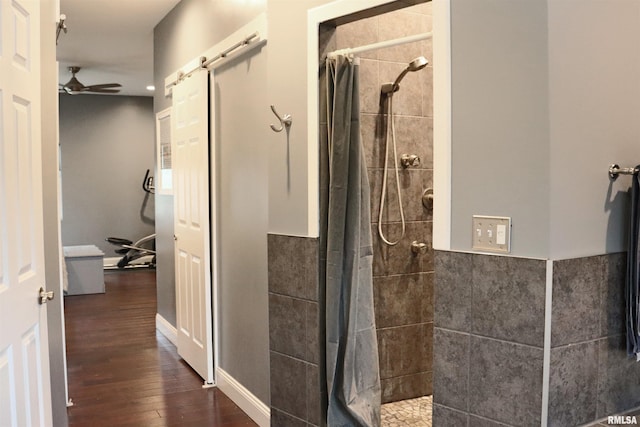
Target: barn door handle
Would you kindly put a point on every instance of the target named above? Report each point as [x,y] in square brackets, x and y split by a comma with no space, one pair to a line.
[44,296]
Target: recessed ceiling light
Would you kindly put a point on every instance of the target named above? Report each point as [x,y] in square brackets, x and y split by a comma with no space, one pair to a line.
[151,87]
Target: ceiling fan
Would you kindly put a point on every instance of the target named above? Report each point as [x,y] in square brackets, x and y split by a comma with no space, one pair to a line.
[74,87]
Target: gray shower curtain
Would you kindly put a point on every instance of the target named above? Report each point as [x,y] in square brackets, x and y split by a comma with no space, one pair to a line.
[351,356]
[632,287]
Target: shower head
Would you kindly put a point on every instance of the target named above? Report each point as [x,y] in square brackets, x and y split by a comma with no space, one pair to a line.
[417,64]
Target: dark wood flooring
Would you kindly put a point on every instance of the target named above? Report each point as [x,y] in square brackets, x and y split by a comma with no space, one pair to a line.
[124,373]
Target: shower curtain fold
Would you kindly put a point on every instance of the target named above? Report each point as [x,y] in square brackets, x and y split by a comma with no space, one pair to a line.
[632,283]
[351,356]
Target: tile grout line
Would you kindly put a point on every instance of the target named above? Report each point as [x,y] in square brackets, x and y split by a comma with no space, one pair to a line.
[546,363]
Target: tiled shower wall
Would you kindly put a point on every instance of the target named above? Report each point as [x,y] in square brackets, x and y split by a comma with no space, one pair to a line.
[403,282]
[489,341]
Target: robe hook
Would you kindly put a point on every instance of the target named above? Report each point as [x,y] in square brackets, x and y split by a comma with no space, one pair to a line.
[285,121]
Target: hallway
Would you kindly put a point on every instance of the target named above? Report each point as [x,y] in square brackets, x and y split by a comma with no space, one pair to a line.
[124,373]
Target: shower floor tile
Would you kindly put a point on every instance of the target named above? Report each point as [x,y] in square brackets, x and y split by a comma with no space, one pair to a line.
[411,412]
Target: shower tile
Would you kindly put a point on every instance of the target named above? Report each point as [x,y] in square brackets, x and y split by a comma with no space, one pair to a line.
[425,8]
[406,387]
[573,384]
[444,416]
[618,377]
[369,86]
[476,421]
[414,135]
[391,212]
[408,100]
[612,295]
[427,50]
[401,23]
[576,300]
[399,259]
[403,300]
[359,33]
[293,266]
[405,350]
[282,419]
[289,385]
[427,91]
[326,39]
[452,282]
[372,129]
[508,297]
[287,325]
[311,331]
[505,381]
[413,182]
[313,394]
[451,369]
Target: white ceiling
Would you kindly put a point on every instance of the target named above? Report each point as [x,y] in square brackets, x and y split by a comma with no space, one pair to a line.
[112,40]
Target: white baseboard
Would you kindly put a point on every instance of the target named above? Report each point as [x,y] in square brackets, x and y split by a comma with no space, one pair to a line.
[257,411]
[167,329]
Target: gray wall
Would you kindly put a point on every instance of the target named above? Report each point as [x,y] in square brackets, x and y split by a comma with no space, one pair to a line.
[541,107]
[594,101]
[241,173]
[189,29]
[289,168]
[500,114]
[107,144]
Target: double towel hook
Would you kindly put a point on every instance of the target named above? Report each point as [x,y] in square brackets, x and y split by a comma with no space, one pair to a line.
[285,121]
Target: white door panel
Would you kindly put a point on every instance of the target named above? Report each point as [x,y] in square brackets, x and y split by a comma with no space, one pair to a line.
[25,392]
[190,151]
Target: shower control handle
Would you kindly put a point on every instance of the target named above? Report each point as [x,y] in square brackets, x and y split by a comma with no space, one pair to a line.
[409,160]
[419,248]
[427,198]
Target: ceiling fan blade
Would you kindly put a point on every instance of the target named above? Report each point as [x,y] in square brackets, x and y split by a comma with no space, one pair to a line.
[103,86]
[98,90]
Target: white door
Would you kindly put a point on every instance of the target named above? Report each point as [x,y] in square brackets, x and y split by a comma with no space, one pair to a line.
[25,391]
[191,223]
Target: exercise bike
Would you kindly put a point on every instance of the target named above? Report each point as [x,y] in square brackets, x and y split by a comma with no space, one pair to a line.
[141,253]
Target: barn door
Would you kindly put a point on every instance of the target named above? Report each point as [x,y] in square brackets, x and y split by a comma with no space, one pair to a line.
[191,223]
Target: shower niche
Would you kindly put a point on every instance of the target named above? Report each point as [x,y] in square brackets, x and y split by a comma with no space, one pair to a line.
[403,276]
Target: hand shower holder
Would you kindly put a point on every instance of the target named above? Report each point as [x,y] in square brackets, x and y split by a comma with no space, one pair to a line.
[409,160]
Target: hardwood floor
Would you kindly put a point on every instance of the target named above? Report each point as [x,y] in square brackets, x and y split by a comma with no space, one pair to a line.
[123,373]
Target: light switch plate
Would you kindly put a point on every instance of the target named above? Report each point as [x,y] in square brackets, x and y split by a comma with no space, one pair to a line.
[491,233]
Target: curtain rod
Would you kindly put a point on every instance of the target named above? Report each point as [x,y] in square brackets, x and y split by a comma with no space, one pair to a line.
[204,62]
[380,45]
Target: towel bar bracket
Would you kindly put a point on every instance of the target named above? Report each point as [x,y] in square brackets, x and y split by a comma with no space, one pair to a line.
[615,170]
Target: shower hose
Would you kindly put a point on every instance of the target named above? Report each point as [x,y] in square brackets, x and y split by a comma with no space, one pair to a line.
[391,131]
